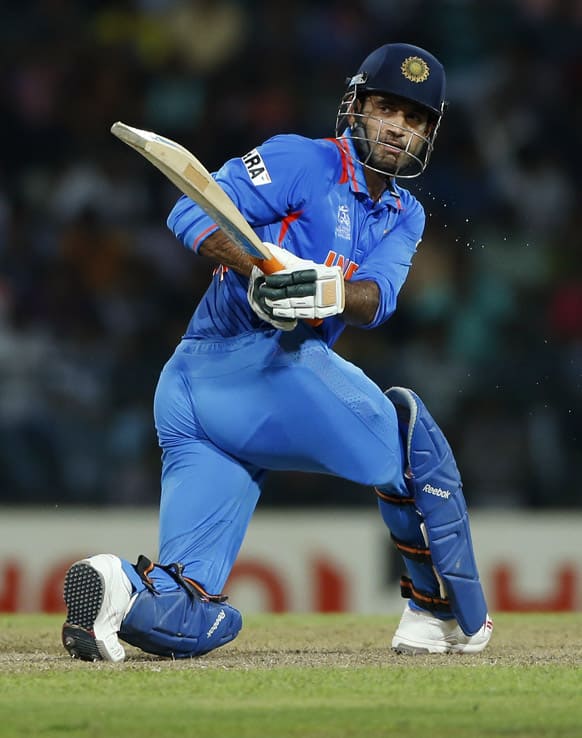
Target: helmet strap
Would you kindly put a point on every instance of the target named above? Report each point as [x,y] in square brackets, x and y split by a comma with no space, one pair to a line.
[360,139]
[360,135]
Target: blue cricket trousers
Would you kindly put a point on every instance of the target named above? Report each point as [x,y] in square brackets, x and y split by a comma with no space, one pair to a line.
[227,410]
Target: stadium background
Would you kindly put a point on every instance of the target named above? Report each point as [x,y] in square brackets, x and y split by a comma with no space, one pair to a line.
[95,292]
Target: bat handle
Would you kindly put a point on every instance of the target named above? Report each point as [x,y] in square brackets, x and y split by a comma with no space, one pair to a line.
[269,266]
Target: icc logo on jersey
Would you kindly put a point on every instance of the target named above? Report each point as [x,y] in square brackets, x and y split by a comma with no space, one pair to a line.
[343,228]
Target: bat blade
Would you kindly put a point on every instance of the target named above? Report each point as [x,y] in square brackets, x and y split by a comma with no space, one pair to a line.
[190,176]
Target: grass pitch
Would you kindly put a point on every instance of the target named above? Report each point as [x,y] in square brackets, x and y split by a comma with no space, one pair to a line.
[299,676]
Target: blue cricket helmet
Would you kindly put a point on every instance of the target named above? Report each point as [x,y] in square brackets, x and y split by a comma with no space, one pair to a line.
[404,70]
[408,72]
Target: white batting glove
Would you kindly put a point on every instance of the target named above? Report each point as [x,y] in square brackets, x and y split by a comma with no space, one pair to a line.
[313,291]
[303,289]
[256,280]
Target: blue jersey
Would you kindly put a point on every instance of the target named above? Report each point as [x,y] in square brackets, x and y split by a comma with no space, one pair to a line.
[243,399]
[309,197]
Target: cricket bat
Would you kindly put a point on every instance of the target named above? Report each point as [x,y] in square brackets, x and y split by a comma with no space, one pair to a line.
[190,176]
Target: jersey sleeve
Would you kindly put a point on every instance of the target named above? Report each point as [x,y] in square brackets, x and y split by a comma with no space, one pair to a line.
[389,262]
[266,185]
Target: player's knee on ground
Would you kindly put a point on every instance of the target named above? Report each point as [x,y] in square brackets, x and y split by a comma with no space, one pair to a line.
[180,622]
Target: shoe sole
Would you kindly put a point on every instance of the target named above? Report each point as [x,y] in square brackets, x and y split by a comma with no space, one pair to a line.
[410,649]
[84,591]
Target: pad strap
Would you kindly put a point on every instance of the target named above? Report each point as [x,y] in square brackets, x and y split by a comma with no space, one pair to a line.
[144,567]
[394,499]
[414,553]
[423,599]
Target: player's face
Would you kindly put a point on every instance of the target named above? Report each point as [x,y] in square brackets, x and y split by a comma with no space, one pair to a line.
[399,128]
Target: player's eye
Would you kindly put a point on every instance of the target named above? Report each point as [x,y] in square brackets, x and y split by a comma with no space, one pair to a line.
[385,106]
[415,118]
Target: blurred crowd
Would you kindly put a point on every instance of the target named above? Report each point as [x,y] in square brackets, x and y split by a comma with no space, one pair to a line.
[95,291]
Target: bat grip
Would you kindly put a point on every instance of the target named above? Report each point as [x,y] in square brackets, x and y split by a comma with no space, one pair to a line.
[272,265]
[269,266]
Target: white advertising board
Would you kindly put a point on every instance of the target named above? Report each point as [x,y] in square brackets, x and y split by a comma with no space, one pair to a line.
[315,560]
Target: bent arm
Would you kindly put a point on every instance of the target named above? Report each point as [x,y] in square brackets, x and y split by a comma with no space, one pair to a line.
[362,301]
[361,298]
[222,250]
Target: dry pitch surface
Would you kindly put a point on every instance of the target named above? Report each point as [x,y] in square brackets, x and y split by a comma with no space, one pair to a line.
[299,676]
[32,643]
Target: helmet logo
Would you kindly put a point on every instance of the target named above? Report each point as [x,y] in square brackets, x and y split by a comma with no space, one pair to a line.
[415,69]
[358,79]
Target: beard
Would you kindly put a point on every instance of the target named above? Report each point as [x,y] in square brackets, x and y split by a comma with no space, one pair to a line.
[387,158]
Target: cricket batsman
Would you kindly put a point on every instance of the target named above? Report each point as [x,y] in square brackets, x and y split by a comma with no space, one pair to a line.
[255,386]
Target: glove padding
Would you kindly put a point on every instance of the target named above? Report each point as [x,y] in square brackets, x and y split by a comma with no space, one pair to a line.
[303,289]
[313,292]
[259,305]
